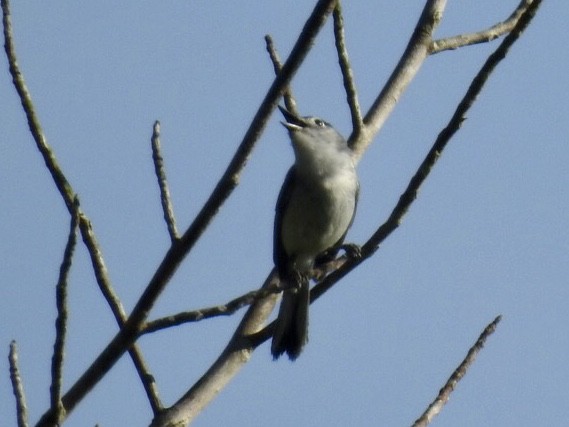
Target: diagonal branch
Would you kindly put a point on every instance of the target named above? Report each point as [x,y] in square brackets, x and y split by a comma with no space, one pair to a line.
[226,309]
[61,323]
[407,67]
[410,193]
[59,179]
[347,72]
[487,35]
[104,282]
[234,356]
[163,184]
[277,66]
[444,394]
[17,386]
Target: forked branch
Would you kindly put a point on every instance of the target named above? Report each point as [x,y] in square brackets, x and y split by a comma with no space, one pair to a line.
[248,336]
[410,193]
[484,36]
[407,67]
[69,197]
[250,332]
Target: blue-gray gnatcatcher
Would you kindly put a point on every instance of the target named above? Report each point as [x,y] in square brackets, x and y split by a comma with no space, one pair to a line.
[315,208]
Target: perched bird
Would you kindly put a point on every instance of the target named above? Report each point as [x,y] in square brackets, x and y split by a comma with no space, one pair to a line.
[315,208]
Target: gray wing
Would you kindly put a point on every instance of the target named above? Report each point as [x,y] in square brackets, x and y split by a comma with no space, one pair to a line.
[280,257]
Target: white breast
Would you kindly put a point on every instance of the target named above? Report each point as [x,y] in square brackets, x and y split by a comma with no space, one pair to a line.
[318,215]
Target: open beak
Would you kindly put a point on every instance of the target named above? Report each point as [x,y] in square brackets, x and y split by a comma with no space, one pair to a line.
[293,123]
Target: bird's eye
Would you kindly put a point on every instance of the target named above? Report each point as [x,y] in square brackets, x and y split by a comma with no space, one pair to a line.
[319,123]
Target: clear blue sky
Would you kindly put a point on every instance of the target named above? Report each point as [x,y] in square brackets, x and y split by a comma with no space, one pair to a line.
[488,234]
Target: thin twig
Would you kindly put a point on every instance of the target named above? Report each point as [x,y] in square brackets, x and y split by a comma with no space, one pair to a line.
[347,72]
[163,184]
[444,394]
[498,30]
[59,178]
[17,386]
[61,323]
[177,252]
[289,100]
[410,194]
[68,195]
[33,122]
[273,54]
[104,282]
[226,309]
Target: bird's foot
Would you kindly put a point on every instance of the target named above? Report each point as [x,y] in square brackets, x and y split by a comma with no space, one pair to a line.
[352,250]
[295,281]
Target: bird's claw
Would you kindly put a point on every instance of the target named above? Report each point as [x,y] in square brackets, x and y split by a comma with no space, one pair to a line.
[352,250]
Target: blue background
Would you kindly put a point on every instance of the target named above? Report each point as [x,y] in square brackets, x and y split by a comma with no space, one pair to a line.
[488,234]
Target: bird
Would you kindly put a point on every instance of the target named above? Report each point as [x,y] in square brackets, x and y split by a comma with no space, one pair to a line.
[315,208]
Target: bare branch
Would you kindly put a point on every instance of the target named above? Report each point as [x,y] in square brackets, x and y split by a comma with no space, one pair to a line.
[17,386]
[69,197]
[410,194]
[290,103]
[128,333]
[61,182]
[206,313]
[234,356]
[241,345]
[33,122]
[347,72]
[59,178]
[273,54]
[163,184]
[239,349]
[248,335]
[487,35]
[61,322]
[104,283]
[405,71]
[444,394]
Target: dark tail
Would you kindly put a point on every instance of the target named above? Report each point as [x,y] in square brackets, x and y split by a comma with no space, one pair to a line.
[291,330]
